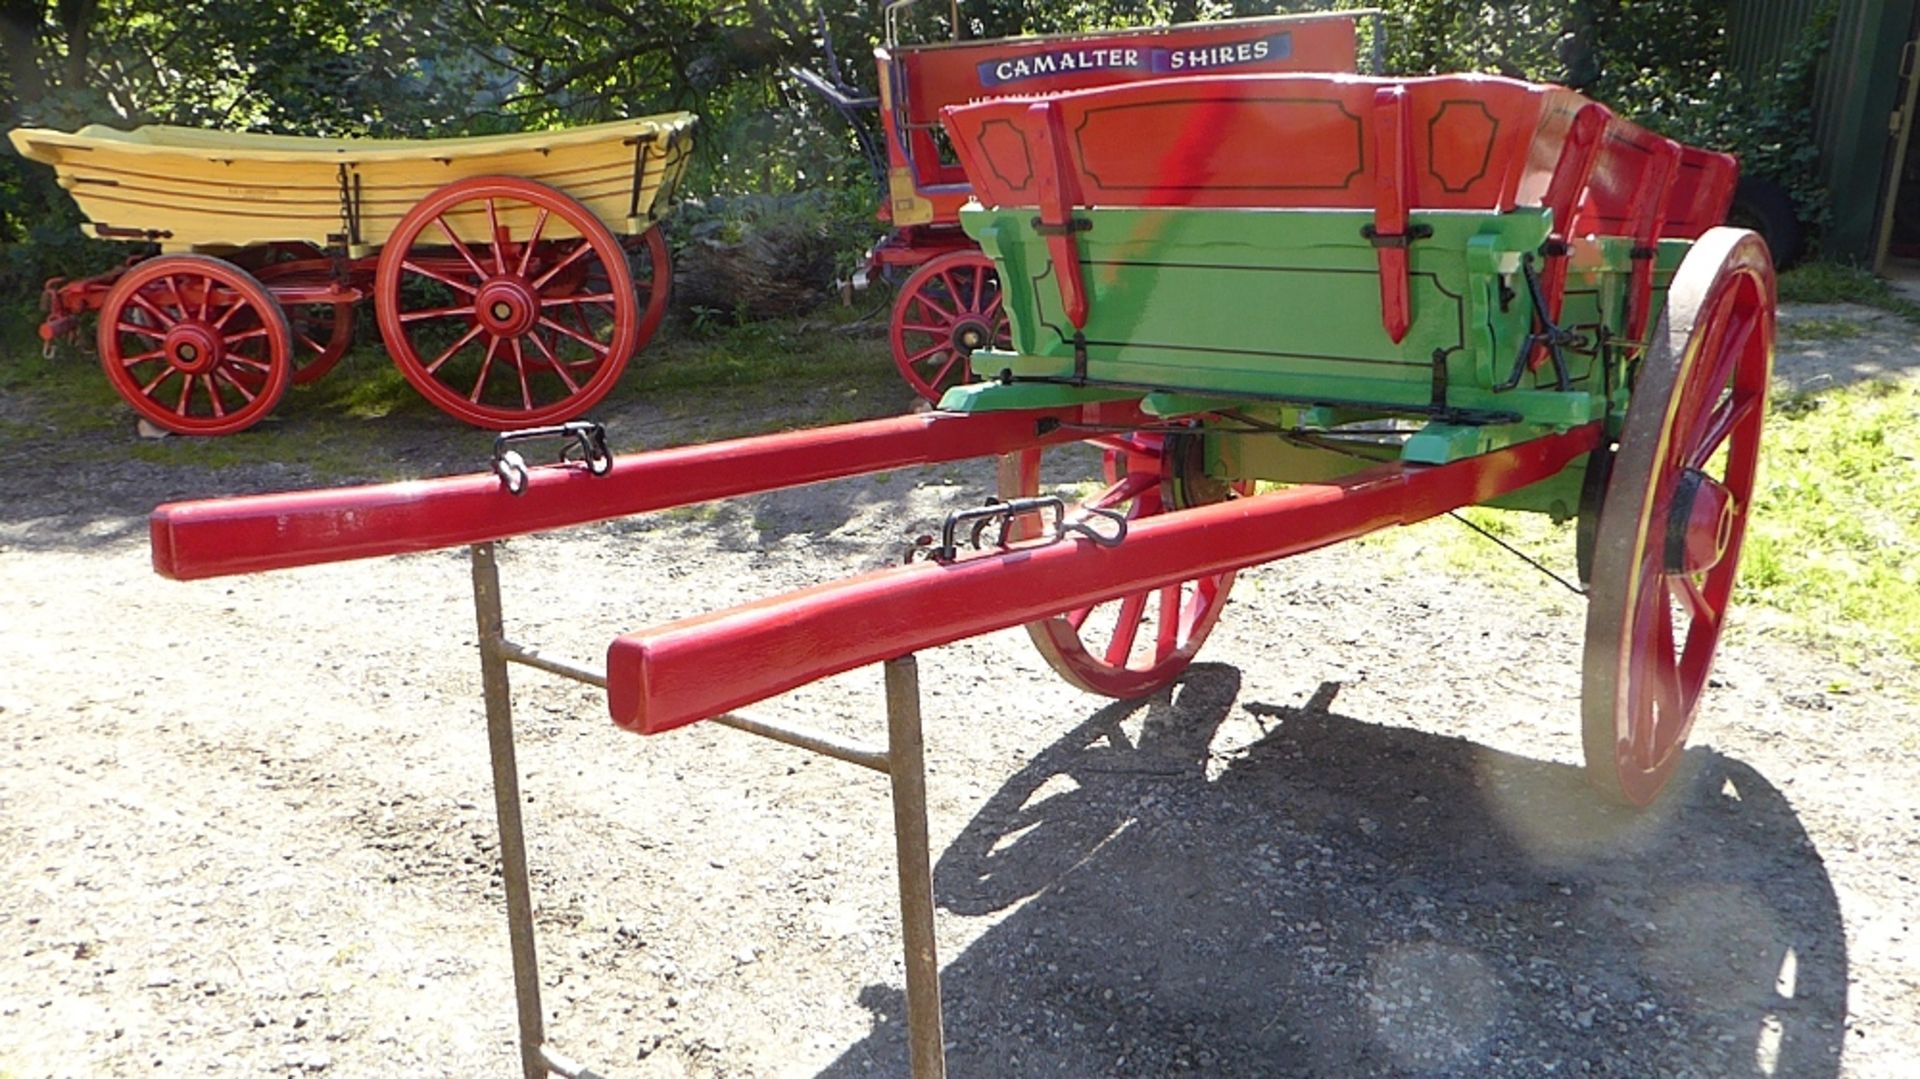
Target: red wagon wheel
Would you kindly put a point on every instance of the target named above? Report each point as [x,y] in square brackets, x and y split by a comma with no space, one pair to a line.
[1675,511]
[530,326]
[948,308]
[197,346]
[1134,645]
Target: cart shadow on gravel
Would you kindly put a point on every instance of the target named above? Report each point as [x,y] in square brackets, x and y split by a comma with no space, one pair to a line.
[1198,883]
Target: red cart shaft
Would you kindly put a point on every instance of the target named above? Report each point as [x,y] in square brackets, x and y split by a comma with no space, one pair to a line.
[219,537]
[699,667]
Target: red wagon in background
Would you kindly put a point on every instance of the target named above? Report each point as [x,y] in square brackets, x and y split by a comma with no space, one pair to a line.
[949,304]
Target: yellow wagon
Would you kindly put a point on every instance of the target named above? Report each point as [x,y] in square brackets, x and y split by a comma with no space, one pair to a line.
[514,275]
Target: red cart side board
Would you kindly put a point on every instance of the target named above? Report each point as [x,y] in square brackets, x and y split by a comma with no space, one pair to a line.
[219,537]
[1473,142]
[700,667]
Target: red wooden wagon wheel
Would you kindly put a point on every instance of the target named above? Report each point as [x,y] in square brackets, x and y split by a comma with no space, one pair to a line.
[1670,528]
[196,345]
[532,327]
[948,308]
[1134,645]
[322,332]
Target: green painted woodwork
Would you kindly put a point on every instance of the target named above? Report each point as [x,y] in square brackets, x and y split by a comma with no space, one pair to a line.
[1271,318]
[998,397]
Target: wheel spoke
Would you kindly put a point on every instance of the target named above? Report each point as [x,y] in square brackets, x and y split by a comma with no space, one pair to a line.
[499,239]
[166,321]
[486,366]
[979,284]
[130,361]
[601,298]
[596,346]
[1132,485]
[927,301]
[1691,597]
[437,312]
[213,396]
[940,376]
[1126,627]
[1725,419]
[435,275]
[520,369]
[559,368]
[914,360]
[143,331]
[1169,638]
[584,247]
[1078,617]
[238,385]
[533,241]
[471,333]
[165,374]
[465,255]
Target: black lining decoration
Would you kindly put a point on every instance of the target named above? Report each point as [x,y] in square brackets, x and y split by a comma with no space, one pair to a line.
[1486,159]
[993,161]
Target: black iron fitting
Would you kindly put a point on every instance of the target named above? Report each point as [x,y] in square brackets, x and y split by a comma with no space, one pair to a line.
[1396,239]
[1073,225]
[1554,338]
[1555,247]
[1642,253]
[1079,357]
[583,442]
[1001,512]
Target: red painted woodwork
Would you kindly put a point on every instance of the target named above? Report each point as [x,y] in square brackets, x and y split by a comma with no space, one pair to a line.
[676,674]
[1272,140]
[1057,190]
[219,537]
[1472,142]
[920,80]
[1393,192]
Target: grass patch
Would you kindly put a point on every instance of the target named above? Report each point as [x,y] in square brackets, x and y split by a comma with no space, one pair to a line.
[1831,282]
[1822,329]
[1835,535]
[1833,543]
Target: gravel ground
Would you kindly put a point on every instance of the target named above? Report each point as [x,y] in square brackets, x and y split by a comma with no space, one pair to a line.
[245,825]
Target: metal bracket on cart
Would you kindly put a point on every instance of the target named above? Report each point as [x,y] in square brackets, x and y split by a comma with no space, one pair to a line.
[585,442]
[1002,512]
[1555,338]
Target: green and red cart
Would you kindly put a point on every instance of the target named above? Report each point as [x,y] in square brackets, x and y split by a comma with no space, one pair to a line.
[1288,310]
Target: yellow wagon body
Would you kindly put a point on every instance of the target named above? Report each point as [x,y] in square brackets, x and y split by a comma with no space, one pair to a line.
[191,189]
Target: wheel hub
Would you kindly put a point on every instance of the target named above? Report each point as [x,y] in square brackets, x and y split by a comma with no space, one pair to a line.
[971,334]
[194,348]
[507,307]
[1700,525]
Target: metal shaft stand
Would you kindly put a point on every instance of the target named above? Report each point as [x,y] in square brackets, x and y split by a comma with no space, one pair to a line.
[904,762]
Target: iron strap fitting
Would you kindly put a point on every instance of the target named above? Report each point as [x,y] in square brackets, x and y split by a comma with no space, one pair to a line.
[1642,252]
[1396,239]
[349,205]
[1002,512]
[1550,336]
[1072,225]
[584,442]
[639,143]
